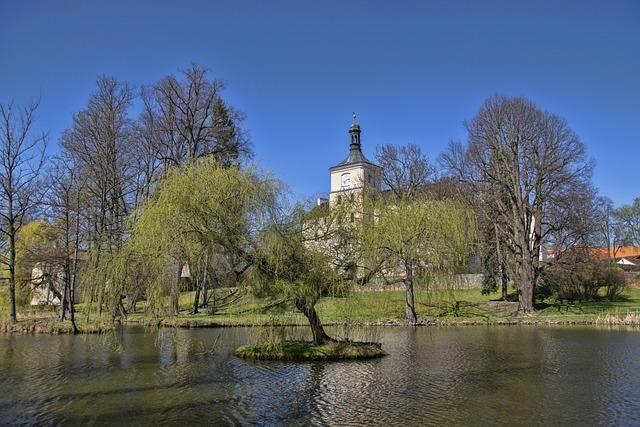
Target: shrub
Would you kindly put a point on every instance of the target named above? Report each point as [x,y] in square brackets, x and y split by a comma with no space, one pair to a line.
[586,280]
[613,280]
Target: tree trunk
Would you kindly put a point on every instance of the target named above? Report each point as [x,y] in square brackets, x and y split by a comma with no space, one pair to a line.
[49,289]
[196,299]
[410,315]
[63,303]
[65,290]
[67,269]
[526,285]
[205,296]
[175,293]
[175,302]
[505,283]
[12,268]
[74,271]
[319,335]
[205,281]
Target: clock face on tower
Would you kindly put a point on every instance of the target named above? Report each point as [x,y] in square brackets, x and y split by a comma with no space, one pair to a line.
[346,180]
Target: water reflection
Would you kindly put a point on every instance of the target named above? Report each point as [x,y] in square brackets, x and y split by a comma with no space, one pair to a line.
[432,376]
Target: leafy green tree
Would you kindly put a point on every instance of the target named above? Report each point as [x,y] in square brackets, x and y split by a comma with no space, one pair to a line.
[197,208]
[409,238]
[310,254]
[204,211]
[34,243]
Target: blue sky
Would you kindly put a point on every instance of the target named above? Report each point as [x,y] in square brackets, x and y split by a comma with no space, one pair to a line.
[412,71]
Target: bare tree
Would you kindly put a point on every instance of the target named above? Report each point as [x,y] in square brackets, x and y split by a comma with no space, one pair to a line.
[406,169]
[628,217]
[101,147]
[64,204]
[22,156]
[609,226]
[184,119]
[528,165]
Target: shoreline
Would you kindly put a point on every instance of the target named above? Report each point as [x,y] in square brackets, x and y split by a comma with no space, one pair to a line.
[49,326]
[394,322]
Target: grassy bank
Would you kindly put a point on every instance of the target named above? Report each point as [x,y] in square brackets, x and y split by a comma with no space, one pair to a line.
[47,323]
[364,307]
[456,307]
[301,350]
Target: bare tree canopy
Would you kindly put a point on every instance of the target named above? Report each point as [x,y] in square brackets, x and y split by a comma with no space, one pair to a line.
[628,218]
[100,145]
[405,169]
[528,166]
[184,119]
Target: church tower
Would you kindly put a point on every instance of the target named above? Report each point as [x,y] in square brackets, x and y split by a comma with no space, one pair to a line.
[353,174]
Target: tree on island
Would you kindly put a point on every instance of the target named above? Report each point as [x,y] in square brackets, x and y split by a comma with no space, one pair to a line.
[234,213]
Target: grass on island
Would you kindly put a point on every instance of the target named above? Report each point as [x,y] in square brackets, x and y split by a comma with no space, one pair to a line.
[302,350]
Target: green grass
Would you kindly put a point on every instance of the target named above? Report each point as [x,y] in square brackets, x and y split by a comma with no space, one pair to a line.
[301,350]
[47,322]
[466,306]
[455,307]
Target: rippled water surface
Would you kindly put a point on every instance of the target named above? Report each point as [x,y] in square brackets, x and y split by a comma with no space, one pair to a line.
[432,376]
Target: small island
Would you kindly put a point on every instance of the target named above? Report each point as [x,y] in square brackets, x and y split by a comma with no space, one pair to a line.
[305,350]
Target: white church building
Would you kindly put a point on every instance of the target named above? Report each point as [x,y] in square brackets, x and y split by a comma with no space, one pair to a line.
[355,173]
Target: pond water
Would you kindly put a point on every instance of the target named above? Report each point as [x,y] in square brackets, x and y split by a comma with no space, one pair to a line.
[432,376]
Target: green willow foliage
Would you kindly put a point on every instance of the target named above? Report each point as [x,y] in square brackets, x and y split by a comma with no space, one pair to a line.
[430,234]
[413,240]
[196,210]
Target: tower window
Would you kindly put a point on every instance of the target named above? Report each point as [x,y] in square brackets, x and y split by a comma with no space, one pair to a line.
[339,199]
[351,197]
[352,217]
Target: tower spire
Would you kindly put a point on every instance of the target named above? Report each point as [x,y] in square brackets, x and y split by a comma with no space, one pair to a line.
[354,132]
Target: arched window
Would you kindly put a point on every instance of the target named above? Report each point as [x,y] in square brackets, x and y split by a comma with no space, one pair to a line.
[339,198]
[352,217]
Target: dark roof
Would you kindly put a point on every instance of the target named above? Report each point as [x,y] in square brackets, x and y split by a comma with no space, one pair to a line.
[355,152]
[355,156]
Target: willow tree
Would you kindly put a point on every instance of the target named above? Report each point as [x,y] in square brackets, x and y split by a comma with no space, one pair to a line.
[412,237]
[197,209]
[307,254]
[299,273]
[205,212]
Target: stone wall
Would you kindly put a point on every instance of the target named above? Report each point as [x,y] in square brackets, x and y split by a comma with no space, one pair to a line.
[458,281]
